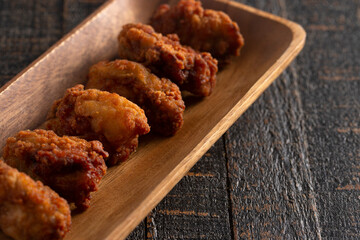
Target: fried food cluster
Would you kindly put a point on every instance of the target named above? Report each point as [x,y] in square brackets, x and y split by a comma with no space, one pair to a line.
[165,56]
[30,210]
[202,29]
[99,115]
[71,166]
[74,167]
[160,98]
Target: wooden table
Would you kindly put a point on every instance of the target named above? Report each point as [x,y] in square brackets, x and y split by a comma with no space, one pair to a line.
[288,168]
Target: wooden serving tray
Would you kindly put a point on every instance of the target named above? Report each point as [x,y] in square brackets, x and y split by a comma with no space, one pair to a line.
[129,191]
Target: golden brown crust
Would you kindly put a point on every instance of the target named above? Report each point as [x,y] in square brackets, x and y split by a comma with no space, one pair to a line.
[71,166]
[30,210]
[160,98]
[166,57]
[99,115]
[202,29]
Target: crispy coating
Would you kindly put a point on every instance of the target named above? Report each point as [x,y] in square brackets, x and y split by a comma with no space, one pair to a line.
[30,210]
[202,29]
[160,98]
[166,57]
[94,114]
[71,166]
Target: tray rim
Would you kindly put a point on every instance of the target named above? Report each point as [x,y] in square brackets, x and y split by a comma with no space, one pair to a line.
[173,177]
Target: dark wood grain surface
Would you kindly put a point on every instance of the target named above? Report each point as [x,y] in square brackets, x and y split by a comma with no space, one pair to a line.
[288,168]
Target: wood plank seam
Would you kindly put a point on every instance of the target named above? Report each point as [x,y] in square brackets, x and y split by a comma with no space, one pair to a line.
[302,145]
[228,187]
[305,155]
[292,69]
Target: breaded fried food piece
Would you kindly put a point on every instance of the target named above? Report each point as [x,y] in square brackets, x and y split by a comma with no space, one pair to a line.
[160,98]
[99,115]
[166,57]
[71,166]
[202,29]
[30,210]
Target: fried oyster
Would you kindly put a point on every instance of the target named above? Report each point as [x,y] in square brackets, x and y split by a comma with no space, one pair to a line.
[160,98]
[71,166]
[166,57]
[99,115]
[202,29]
[30,210]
